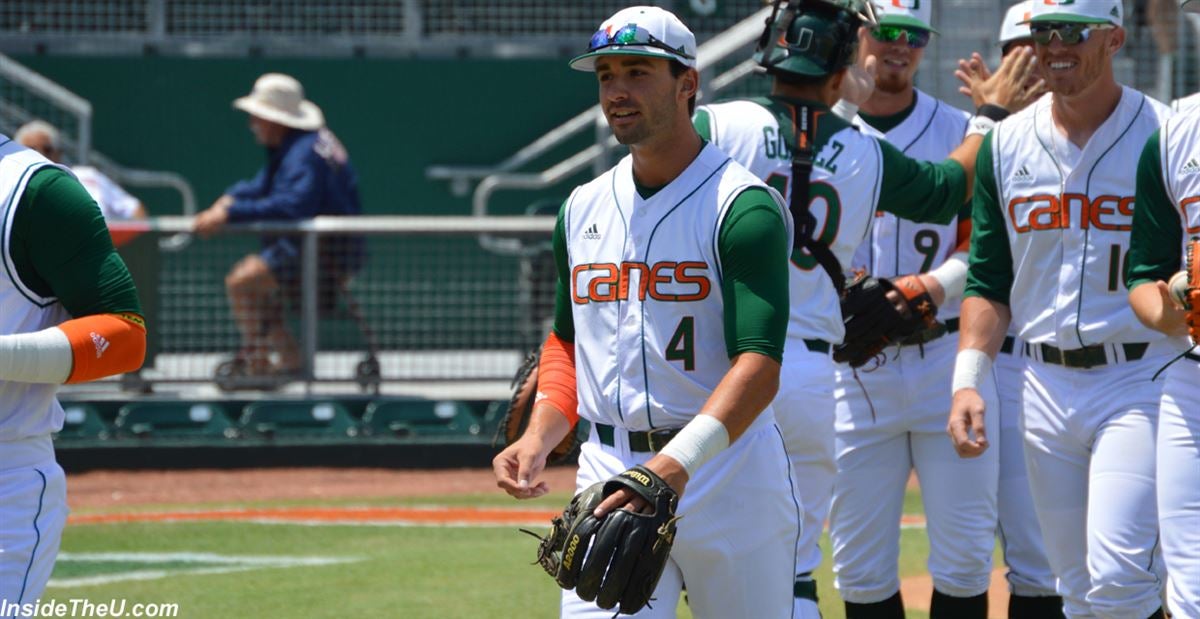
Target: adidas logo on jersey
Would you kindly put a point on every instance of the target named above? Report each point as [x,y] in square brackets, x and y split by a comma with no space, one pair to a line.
[100,343]
[591,234]
[1191,167]
[1022,175]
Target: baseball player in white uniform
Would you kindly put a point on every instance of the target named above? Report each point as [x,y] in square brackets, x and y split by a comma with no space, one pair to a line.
[1053,204]
[1032,592]
[671,315]
[890,420]
[760,134]
[68,313]
[1167,216]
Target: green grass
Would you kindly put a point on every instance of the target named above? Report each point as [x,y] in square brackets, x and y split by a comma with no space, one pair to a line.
[410,572]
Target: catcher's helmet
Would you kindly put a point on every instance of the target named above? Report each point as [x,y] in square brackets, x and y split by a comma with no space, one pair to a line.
[812,37]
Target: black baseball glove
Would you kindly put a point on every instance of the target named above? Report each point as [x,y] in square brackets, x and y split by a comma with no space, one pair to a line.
[520,408]
[873,321]
[618,559]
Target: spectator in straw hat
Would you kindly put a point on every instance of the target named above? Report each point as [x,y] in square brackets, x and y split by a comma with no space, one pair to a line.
[308,173]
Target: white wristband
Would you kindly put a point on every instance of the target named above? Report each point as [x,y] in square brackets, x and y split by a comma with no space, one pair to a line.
[980,125]
[845,110]
[952,275]
[41,357]
[970,366]
[701,439]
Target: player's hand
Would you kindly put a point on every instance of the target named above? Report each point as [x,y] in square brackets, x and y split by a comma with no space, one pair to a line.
[666,467]
[972,73]
[966,428]
[211,220]
[1013,86]
[859,83]
[518,466]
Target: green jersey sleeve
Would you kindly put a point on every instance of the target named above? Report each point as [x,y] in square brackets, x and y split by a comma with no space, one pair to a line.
[752,245]
[920,190]
[564,322]
[1156,241]
[990,274]
[61,248]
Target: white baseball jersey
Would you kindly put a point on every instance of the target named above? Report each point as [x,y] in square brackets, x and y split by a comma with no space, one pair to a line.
[26,409]
[899,247]
[1184,103]
[843,192]
[1067,214]
[851,171]
[623,377]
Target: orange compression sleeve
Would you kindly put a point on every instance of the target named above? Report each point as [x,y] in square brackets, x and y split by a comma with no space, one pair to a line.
[105,345]
[556,377]
[964,236]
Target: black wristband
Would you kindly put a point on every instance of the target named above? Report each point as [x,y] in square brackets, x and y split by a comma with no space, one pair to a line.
[994,112]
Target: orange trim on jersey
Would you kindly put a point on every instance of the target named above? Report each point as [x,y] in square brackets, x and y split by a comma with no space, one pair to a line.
[964,236]
[556,378]
[105,345]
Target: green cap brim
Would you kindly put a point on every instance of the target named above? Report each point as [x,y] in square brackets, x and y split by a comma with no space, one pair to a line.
[587,61]
[1067,18]
[905,21]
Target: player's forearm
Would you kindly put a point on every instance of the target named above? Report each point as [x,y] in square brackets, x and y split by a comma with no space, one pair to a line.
[79,350]
[1153,307]
[984,323]
[965,155]
[747,388]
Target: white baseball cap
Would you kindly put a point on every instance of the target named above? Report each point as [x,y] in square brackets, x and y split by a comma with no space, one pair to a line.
[1016,23]
[1078,11]
[905,13]
[640,31]
[280,99]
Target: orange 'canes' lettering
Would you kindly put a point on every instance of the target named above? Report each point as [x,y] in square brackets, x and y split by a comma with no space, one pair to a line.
[662,281]
[1183,206]
[1047,212]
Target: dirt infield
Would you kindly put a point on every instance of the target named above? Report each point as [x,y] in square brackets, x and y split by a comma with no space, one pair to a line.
[100,496]
[105,490]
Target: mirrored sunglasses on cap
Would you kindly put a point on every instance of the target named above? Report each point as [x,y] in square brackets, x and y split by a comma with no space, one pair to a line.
[1068,33]
[631,34]
[915,37]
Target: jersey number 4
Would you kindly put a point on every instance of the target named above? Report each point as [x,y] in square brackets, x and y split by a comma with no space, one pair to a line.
[682,346]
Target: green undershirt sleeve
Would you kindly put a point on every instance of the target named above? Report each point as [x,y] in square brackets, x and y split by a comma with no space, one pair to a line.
[990,274]
[1156,241]
[703,123]
[564,322]
[61,248]
[752,245]
[921,190]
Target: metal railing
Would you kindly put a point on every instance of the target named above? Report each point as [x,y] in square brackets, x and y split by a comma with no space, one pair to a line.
[26,95]
[429,305]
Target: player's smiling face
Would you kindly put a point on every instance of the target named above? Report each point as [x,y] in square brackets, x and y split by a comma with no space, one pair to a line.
[1070,69]
[639,96]
[896,64]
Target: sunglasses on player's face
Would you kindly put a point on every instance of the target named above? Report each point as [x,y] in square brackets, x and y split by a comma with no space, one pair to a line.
[1068,33]
[915,37]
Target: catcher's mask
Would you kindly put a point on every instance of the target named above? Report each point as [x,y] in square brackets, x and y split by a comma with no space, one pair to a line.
[812,37]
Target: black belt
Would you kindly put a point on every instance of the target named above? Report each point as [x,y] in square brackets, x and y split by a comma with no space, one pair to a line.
[652,441]
[928,335]
[1008,345]
[1086,357]
[817,346]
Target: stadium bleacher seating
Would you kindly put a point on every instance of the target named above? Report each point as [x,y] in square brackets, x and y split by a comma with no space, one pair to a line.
[405,418]
[83,422]
[183,420]
[297,419]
